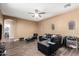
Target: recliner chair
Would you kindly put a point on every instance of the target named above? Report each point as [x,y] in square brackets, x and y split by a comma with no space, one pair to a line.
[35,35]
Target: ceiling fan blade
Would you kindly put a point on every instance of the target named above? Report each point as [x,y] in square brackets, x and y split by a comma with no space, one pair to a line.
[30,13]
[42,12]
[33,15]
[39,15]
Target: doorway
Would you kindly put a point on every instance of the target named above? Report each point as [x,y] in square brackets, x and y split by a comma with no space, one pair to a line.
[9,29]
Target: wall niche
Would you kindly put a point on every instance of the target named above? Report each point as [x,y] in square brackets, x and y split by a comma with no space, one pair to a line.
[53,27]
[71,25]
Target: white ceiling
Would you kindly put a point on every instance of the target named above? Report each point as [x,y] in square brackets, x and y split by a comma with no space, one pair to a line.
[21,9]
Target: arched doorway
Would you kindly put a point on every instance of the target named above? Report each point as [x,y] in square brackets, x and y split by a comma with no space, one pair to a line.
[9,29]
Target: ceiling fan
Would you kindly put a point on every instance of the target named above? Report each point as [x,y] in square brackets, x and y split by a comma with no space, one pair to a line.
[36,13]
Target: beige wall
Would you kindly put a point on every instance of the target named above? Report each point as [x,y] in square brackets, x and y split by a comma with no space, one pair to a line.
[25,28]
[61,24]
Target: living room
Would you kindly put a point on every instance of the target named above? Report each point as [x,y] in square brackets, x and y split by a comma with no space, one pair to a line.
[31,28]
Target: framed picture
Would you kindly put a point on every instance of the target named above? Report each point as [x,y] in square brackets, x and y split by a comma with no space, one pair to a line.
[53,27]
[71,25]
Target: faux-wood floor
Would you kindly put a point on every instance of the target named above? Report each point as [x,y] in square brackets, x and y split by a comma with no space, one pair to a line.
[22,48]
